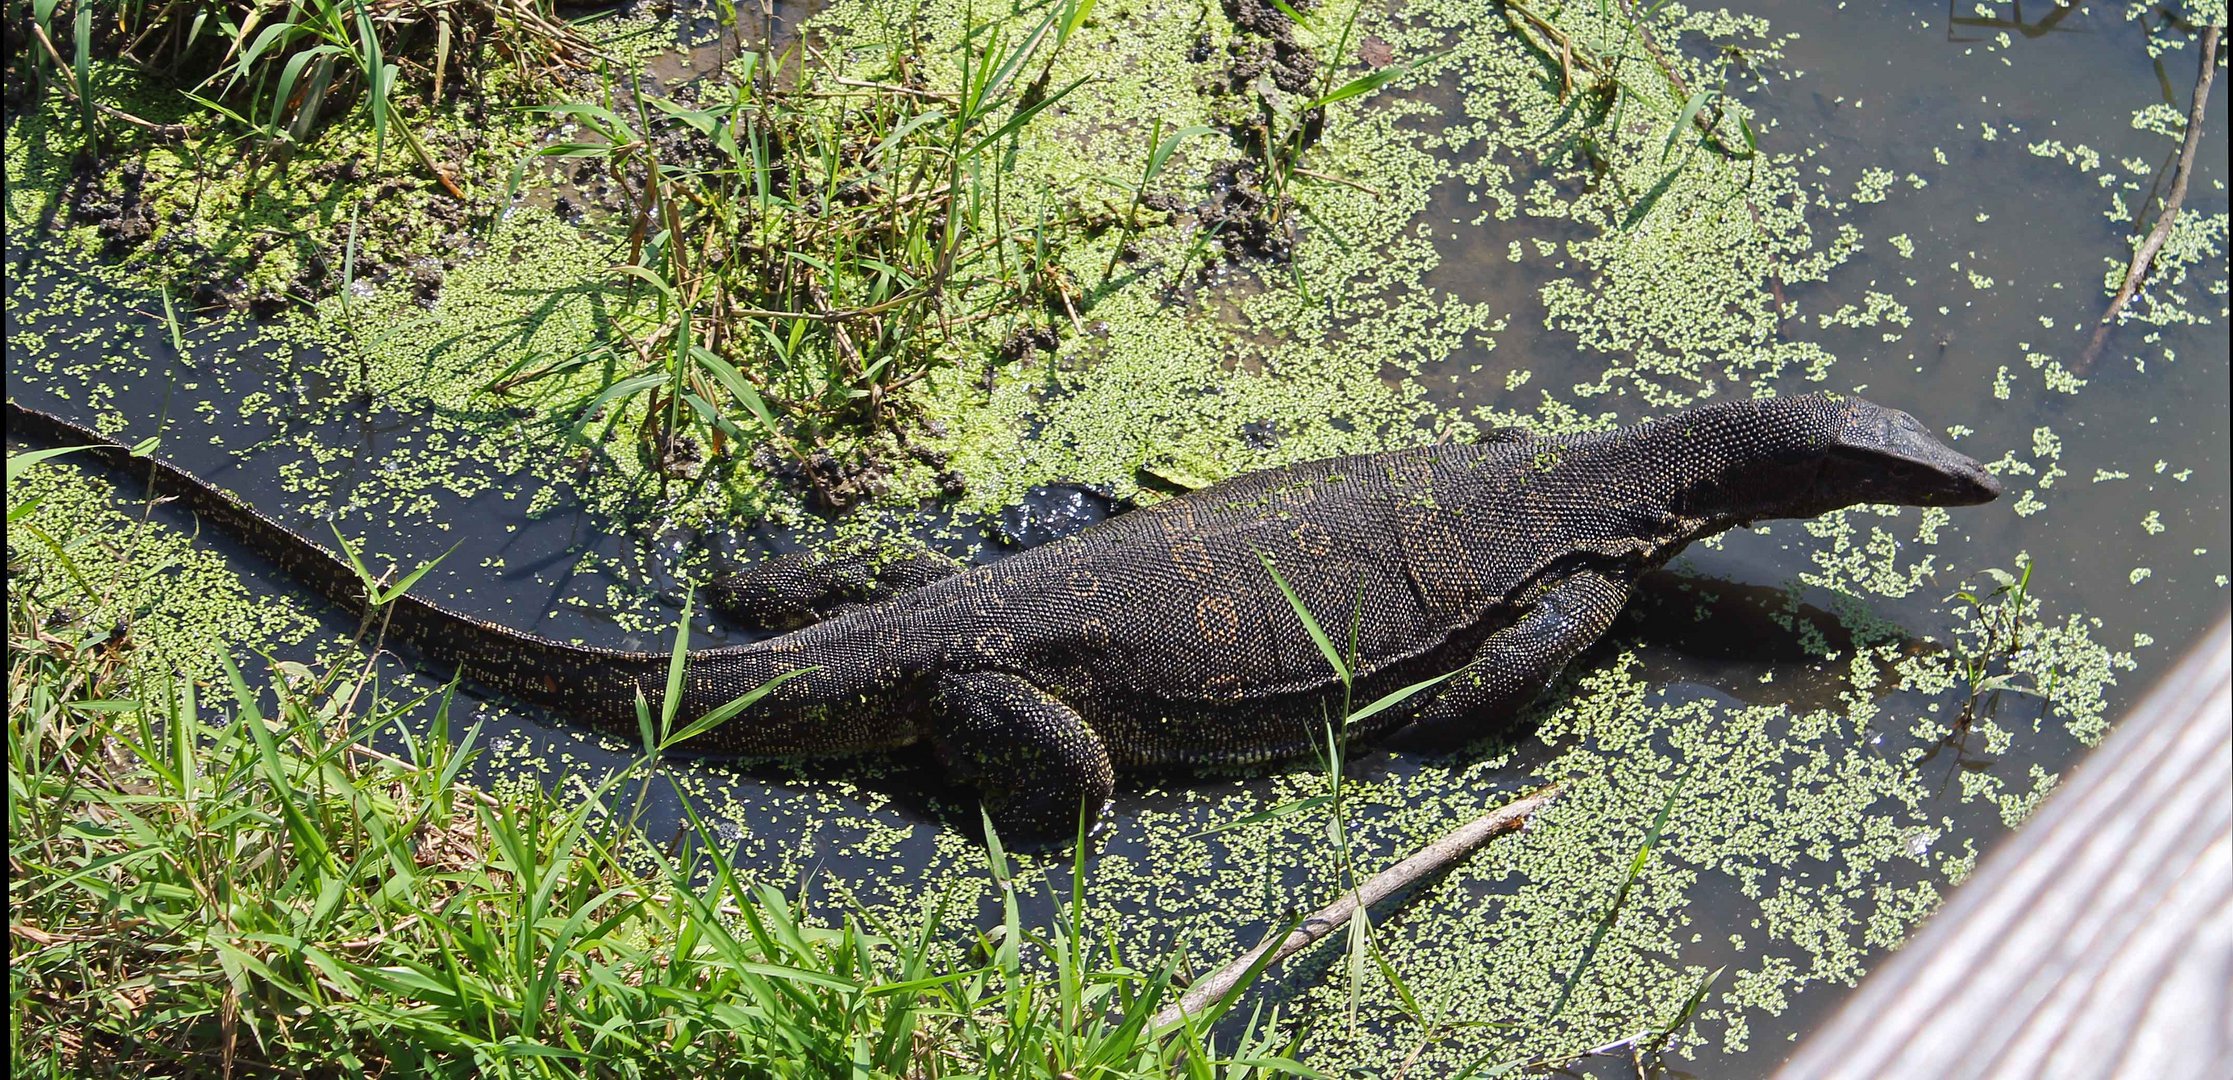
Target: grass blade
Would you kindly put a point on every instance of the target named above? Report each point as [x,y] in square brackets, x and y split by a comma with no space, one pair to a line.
[1365,84]
[1317,634]
[1620,897]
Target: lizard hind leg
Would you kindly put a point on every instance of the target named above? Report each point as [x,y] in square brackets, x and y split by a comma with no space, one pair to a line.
[1033,759]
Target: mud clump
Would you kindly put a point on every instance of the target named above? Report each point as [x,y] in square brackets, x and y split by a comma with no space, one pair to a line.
[402,234]
[123,213]
[405,234]
[1267,45]
[1250,220]
[832,481]
[1267,76]
[1028,340]
[121,206]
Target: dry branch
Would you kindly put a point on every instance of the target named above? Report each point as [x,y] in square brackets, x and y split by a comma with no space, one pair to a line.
[1432,859]
[2144,256]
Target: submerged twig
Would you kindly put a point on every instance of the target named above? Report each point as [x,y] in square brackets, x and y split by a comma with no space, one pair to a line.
[1448,849]
[1707,121]
[1342,180]
[1567,55]
[1666,67]
[892,88]
[2144,256]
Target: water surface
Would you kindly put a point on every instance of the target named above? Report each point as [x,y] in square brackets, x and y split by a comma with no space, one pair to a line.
[2005,252]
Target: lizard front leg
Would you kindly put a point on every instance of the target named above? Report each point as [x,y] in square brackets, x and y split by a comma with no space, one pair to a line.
[1516,664]
[1034,760]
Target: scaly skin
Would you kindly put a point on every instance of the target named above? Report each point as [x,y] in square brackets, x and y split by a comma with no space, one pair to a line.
[1158,639]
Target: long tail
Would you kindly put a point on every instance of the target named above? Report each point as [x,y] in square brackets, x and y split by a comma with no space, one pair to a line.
[598,685]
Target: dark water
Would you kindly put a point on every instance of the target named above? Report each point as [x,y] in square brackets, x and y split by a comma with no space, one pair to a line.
[1882,87]
[1885,86]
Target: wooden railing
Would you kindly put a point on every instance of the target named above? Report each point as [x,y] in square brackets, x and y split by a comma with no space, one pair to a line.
[2097,941]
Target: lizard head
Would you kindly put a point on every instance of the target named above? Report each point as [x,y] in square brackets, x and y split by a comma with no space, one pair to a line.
[1879,455]
[1797,457]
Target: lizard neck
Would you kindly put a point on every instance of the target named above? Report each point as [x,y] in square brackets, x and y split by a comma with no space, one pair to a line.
[1726,465]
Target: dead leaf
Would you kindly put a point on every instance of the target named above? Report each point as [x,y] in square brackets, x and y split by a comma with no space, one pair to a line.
[1375,52]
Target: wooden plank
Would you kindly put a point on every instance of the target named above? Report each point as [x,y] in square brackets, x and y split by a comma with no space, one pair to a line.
[2098,941]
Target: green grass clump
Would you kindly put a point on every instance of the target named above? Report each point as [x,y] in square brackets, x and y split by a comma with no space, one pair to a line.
[277,72]
[805,237]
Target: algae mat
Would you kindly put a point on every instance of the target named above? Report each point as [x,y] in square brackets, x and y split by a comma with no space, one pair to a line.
[1463,260]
